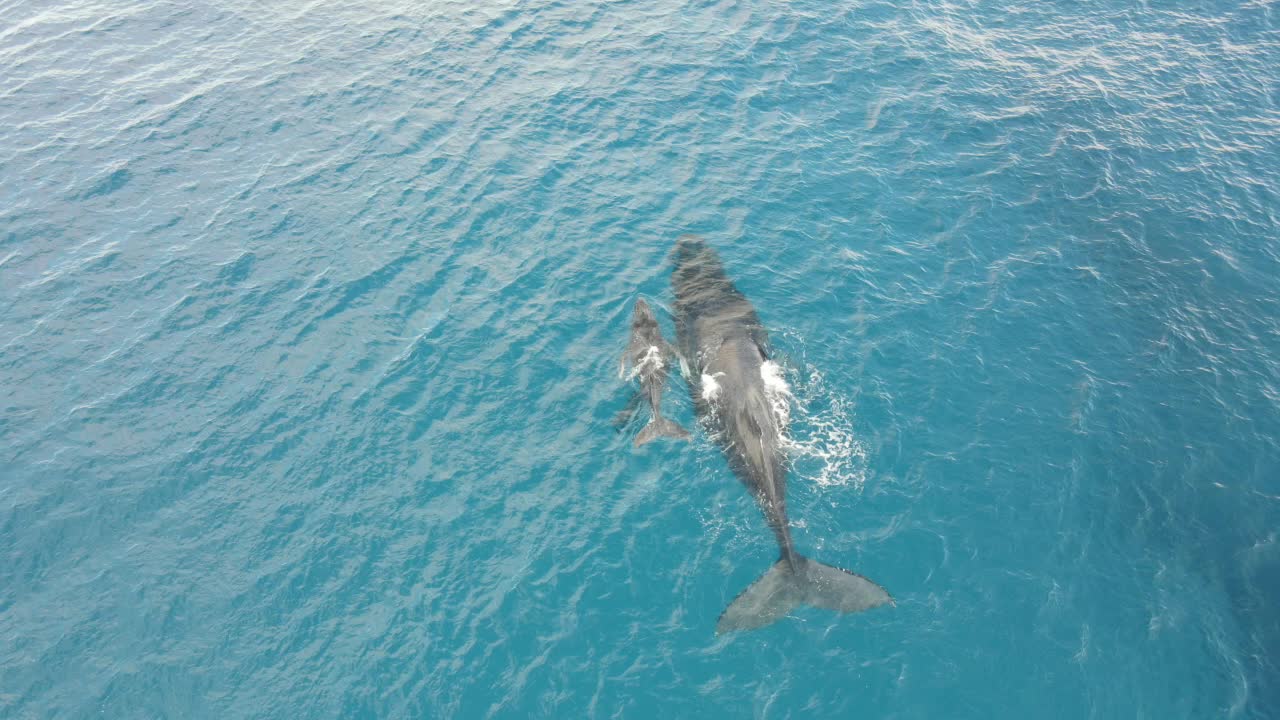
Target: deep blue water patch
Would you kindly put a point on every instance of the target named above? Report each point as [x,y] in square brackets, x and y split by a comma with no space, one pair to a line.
[310,316]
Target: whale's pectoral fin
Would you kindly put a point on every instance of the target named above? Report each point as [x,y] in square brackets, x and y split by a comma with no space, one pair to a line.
[661,427]
[781,589]
[761,340]
[624,415]
[674,356]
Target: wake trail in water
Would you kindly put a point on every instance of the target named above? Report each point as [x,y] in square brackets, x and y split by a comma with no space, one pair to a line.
[822,445]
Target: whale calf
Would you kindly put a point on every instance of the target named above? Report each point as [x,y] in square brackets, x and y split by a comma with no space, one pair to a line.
[648,354]
[734,387]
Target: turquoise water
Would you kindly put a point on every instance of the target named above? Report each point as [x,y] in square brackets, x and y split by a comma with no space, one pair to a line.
[310,318]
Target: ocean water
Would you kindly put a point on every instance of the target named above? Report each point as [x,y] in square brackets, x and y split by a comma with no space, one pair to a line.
[310,316]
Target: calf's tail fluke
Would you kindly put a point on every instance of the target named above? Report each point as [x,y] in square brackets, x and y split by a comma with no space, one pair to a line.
[661,427]
[809,582]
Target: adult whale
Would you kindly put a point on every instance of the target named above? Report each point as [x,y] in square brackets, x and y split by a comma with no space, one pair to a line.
[725,350]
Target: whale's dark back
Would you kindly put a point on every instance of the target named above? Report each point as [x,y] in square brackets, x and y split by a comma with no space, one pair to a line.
[721,335]
[707,302]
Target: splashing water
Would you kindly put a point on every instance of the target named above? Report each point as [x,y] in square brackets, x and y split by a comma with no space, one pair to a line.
[823,448]
[652,359]
[778,392]
[710,388]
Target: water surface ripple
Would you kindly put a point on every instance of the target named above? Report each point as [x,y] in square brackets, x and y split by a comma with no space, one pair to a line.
[310,313]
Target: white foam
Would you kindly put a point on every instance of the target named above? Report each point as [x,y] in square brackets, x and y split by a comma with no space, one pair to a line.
[777,391]
[652,359]
[771,373]
[710,387]
[825,421]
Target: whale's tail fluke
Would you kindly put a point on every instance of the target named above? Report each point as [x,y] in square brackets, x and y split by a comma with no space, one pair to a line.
[782,588]
[661,427]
